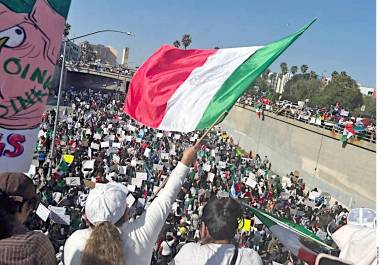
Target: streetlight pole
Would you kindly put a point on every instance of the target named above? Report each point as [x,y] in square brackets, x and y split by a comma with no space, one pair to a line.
[52,147]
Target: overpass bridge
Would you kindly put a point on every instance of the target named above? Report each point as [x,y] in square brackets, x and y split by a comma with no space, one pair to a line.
[348,174]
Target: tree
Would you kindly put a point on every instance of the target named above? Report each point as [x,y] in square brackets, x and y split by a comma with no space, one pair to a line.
[342,88]
[177,44]
[294,69]
[370,106]
[265,74]
[216,48]
[304,68]
[186,40]
[66,31]
[313,75]
[300,88]
[334,74]
[284,68]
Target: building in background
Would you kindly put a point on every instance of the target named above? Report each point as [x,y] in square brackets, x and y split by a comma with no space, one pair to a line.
[124,59]
[73,52]
[367,91]
[99,52]
[280,82]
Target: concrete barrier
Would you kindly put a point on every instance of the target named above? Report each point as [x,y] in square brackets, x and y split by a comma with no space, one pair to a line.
[348,174]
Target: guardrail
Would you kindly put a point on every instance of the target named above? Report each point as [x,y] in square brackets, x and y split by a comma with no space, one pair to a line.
[330,126]
[87,70]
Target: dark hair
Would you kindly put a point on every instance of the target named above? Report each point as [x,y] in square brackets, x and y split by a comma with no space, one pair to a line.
[8,208]
[221,216]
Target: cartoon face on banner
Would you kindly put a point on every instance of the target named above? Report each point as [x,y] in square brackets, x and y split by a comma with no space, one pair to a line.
[30,40]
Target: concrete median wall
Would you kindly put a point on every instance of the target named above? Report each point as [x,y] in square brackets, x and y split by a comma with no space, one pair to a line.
[348,174]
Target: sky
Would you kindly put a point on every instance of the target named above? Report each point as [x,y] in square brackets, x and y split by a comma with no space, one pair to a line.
[342,39]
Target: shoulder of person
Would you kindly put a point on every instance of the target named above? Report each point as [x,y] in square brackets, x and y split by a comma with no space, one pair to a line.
[81,234]
[250,254]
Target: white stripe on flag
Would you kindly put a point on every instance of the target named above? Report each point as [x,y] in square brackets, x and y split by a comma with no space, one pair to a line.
[188,103]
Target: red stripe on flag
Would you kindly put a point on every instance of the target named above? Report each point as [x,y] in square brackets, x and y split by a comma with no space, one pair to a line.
[157,79]
[307,255]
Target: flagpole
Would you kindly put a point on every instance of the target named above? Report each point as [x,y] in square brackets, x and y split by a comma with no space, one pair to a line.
[218,120]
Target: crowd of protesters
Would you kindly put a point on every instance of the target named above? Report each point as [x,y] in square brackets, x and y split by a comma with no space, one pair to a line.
[100,149]
[334,117]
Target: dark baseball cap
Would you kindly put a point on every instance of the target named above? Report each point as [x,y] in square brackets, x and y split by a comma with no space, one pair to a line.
[18,186]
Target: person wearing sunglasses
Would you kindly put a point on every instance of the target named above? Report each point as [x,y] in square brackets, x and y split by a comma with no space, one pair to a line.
[19,245]
[219,224]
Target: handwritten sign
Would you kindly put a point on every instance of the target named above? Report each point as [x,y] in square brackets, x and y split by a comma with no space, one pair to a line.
[95,146]
[159,135]
[31,34]
[158,167]
[42,212]
[137,182]
[147,152]
[72,181]
[177,136]
[251,182]
[164,156]
[116,145]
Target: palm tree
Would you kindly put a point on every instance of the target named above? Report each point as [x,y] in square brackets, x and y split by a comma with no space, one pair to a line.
[177,44]
[313,75]
[343,73]
[294,69]
[66,31]
[186,40]
[284,68]
[216,48]
[304,68]
[334,74]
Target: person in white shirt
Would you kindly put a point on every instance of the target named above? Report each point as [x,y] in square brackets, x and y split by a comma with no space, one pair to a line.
[219,224]
[111,239]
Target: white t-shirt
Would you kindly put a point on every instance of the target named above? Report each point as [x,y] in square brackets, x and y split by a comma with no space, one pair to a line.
[139,236]
[166,250]
[215,254]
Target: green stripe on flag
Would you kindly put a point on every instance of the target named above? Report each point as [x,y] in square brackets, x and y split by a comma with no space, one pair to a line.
[242,78]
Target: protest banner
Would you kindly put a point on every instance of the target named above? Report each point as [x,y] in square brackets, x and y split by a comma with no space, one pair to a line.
[26,76]
[142,175]
[97,136]
[105,144]
[159,135]
[206,167]
[72,181]
[43,212]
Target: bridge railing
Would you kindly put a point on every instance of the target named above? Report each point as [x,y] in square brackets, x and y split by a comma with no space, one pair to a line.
[369,136]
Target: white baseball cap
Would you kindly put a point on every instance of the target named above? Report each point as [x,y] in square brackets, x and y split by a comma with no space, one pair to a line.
[106,202]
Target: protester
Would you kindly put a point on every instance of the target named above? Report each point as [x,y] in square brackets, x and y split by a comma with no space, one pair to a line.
[18,245]
[106,206]
[220,221]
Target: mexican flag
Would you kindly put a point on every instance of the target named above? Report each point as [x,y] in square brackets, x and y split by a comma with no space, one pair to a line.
[348,132]
[297,239]
[185,90]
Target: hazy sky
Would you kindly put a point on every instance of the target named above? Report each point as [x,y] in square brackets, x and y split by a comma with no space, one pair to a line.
[342,39]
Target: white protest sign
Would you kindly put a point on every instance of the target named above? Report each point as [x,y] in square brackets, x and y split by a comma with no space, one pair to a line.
[177,136]
[117,145]
[123,170]
[88,131]
[131,188]
[132,128]
[95,146]
[57,210]
[128,138]
[147,152]
[158,167]
[133,163]
[142,175]
[159,135]
[164,156]
[206,167]
[222,164]
[210,176]
[192,139]
[105,144]
[62,219]
[111,137]
[138,140]
[97,136]
[136,182]
[213,153]
[88,164]
[42,212]
[130,200]
[251,182]
[73,181]
[172,152]
[116,158]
